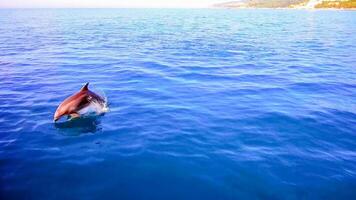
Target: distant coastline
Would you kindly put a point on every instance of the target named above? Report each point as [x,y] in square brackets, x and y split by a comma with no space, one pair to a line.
[290,4]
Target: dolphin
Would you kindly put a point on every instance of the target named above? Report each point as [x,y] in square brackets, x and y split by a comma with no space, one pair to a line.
[76,104]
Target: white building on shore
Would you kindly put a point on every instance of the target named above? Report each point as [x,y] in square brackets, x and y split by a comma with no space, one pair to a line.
[312,3]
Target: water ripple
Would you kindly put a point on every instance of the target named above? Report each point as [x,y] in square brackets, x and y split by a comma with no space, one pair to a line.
[204,104]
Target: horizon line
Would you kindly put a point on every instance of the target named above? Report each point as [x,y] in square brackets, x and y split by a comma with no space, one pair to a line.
[143,7]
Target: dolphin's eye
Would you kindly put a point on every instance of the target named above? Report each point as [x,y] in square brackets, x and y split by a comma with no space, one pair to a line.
[89,98]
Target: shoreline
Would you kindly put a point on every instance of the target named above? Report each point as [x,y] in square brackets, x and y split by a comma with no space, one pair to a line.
[212,7]
[310,9]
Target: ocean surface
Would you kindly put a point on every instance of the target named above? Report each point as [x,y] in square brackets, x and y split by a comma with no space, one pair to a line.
[204,104]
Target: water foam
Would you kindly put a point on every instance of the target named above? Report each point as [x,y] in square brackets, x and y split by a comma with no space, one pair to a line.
[95,108]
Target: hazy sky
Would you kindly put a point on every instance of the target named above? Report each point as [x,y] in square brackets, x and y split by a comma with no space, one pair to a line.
[105,3]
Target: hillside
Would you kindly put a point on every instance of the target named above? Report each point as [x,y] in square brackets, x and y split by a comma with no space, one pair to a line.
[289,4]
[260,3]
[337,4]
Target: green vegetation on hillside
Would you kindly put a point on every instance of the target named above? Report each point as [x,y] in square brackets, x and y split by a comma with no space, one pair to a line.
[287,4]
[337,4]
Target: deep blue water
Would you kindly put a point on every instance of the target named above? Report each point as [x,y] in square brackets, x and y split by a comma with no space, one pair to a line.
[204,104]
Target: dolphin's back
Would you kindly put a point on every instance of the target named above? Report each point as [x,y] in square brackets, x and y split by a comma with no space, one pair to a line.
[73,103]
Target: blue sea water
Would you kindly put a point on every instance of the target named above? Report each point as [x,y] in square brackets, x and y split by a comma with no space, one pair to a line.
[204,104]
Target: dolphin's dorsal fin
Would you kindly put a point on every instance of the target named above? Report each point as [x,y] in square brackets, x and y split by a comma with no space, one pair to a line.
[85,87]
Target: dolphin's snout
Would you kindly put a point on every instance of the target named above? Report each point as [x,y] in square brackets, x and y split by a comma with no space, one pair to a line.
[56,116]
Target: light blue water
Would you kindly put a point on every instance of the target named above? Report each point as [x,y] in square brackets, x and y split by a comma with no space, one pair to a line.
[204,104]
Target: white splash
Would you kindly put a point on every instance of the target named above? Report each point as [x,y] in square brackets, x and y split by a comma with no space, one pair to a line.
[95,108]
